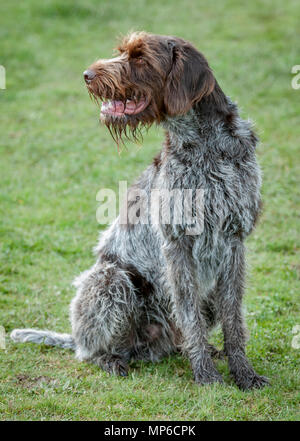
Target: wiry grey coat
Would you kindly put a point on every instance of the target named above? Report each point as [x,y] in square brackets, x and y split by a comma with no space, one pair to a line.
[154,289]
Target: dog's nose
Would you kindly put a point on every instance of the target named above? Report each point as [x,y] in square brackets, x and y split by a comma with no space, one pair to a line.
[88,75]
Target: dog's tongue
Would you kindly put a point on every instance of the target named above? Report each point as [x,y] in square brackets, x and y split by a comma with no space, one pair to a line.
[118,108]
[133,107]
[113,107]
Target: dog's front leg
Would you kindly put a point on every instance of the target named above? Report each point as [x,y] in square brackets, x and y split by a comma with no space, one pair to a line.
[186,299]
[230,292]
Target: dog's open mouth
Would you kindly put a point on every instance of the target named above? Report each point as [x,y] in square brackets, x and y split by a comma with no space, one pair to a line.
[120,108]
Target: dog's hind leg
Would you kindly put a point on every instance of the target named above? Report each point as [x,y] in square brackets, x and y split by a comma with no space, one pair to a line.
[112,364]
[103,315]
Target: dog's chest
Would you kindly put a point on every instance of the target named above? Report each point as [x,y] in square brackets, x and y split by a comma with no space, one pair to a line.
[195,170]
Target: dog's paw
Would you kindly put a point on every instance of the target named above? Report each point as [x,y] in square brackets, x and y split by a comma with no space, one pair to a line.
[113,365]
[121,368]
[251,381]
[207,377]
[118,367]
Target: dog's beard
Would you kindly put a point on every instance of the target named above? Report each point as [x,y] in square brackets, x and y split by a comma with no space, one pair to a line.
[124,128]
[125,118]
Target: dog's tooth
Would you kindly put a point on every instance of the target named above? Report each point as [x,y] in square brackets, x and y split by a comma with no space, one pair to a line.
[130,104]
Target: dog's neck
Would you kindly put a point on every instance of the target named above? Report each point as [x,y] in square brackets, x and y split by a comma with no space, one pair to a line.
[203,120]
[183,129]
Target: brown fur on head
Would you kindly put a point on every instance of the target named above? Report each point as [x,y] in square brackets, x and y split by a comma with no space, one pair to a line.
[153,77]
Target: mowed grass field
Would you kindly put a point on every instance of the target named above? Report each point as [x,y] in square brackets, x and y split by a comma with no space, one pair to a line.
[55,157]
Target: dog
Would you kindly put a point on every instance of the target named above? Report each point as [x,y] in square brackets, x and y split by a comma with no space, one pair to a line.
[155,288]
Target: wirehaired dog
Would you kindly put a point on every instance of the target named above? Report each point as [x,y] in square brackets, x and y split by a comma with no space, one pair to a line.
[155,289]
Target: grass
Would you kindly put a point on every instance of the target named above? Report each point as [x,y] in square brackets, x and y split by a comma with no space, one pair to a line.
[54,159]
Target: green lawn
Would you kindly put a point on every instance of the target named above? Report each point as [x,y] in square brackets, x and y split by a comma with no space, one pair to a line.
[54,159]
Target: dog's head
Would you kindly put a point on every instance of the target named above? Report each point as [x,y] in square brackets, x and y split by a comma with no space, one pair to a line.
[152,77]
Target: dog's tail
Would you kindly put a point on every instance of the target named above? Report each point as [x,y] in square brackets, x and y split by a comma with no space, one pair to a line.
[49,338]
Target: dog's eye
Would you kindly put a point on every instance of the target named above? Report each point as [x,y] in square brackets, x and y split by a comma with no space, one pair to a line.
[137,56]
[139,60]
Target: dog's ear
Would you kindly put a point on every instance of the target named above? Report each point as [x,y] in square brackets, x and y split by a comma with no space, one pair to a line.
[190,78]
